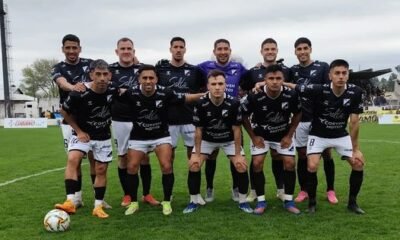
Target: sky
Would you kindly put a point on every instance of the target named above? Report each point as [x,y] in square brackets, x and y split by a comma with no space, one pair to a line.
[364,32]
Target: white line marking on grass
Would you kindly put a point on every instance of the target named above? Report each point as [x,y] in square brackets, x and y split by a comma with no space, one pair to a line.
[33,175]
[45,172]
[379,141]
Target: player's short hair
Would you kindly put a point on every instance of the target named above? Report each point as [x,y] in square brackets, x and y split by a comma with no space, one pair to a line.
[72,38]
[221,40]
[215,73]
[177,39]
[269,40]
[339,63]
[302,40]
[273,68]
[146,67]
[124,39]
[99,64]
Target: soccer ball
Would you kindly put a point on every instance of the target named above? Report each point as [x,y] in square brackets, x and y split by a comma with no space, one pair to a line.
[56,221]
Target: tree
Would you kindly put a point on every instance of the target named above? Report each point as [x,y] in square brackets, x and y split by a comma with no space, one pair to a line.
[37,80]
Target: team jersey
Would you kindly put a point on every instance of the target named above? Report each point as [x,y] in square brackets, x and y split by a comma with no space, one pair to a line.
[123,77]
[150,119]
[257,74]
[92,111]
[181,80]
[270,117]
[315,73]
[331,112]
[234,71]
[72,73]
[217,121]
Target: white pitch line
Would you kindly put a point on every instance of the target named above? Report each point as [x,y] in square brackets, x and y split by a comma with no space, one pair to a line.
[379,141]
[42,173]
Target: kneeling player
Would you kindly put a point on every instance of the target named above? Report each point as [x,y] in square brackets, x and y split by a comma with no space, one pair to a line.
[217,119]
[88,113]
[275,113]
[336,103]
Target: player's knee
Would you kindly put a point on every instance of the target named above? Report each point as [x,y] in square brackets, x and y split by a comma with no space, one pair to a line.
[257,166]
[132,168]
[194,166]
[289,165]
[240,167]
[357,165]
[166,168]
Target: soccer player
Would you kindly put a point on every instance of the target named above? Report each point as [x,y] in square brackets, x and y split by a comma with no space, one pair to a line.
[338,103]
[234,71]
[124,75]
[89,114]
[275,113]
[310,72]
[269,51]
[182,78]
[149,102]
[218,119]
[70,75]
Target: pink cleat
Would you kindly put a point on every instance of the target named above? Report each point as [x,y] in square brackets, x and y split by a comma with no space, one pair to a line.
[301,197]
[331,195]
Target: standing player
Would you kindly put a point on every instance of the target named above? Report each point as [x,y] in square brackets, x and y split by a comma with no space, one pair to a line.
[124,75]
[88,113]
[338,103]
[149,102]
[182,78]
[218,121]
[233,71]
[310,72]
[275,113]
[70,75]
[269,51]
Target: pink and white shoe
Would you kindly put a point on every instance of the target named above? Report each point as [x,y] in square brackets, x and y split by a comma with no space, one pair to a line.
[331,195]
[303,195]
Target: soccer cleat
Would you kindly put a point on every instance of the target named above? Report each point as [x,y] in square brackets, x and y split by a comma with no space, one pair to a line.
[126,200]
[166,208]
[132,208]
[99,212]
[291,207]
[79,203]
[252,196]
[331,195]
[301,197]
[209,195]
[355,208]
[67,206]
[245,207]
[280,194]
[150,200]
[235,194]
[260,207]
[312,209]
[200,200]
[106,205]
[191,207]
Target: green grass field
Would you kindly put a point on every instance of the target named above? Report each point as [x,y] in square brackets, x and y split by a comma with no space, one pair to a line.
[24,203]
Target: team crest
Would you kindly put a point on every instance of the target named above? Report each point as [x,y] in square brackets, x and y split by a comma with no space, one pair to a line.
[109,98]
[84,68]
[159,103]
[117,71]
[187,72]
[224,112]
[168,73]
[346,102]
[285,105]
[233,71]
[135,70]
[312,72]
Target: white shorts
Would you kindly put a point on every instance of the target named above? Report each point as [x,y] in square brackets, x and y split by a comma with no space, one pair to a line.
[273,145]
[186,131]
[121,132]
[67,134]
[301,134]
[102,149]
[208,147]
[148,145]
[342,145]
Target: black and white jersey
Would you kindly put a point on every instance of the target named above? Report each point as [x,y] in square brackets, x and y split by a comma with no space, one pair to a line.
[92,111]
[331,112]
[72,73]
[257,74]
[181,80]
[150,114]
[315,73]
[270,117]
[123,77]
[217,121]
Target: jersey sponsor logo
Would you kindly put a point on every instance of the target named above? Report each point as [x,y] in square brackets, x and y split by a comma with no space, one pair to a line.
[148,115]
[346,102]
